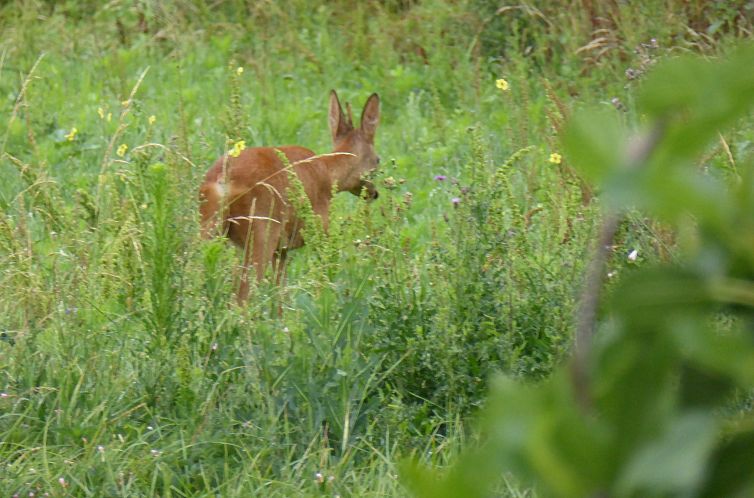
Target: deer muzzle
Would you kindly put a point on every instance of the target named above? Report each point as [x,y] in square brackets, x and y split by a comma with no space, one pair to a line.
[369,191]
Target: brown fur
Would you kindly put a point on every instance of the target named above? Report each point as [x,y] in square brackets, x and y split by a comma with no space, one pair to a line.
[248,195]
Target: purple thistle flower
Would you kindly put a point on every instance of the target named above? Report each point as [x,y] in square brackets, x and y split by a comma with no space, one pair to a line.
[456,201]
[440,178]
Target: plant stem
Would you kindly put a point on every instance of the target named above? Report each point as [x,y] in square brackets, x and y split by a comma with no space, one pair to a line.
[638,152]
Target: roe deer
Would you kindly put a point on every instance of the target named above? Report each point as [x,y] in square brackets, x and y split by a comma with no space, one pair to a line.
[247,195]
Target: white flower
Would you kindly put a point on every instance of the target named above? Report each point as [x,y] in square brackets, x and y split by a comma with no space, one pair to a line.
[633,255]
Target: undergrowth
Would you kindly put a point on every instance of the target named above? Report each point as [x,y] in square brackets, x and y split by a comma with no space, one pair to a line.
[125,367]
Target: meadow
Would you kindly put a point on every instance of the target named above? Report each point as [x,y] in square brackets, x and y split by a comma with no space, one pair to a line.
[127,369]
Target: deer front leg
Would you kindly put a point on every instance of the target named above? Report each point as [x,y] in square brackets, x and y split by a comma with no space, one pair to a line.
[279,261]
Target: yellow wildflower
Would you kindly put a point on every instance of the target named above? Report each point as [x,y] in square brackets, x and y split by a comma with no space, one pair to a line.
[122,148]
[71,136]
[152,119]
[125,103]
[239,70]
[555,158]
[109,116]
[237,148]
[502,85]
[101,112]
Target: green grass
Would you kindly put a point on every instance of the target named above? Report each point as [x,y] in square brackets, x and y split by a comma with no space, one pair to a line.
[124,366]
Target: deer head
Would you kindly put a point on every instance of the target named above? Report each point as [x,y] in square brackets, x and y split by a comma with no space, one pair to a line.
[356,141]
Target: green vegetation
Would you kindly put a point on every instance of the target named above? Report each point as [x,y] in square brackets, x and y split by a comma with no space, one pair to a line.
[125,367]
[655,405]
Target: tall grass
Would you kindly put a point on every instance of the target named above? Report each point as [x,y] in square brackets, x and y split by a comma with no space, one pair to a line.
[125,369]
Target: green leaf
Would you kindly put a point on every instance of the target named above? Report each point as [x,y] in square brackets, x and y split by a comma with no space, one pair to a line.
[702,388]
[731,470]
[709,89]
[673,193]
[633,385]
[696,99]
[594,142]
[675,462]
[714,363]
[423,482]
[537,433]
[648,296]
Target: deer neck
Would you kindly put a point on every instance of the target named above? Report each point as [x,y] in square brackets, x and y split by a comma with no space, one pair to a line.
[340,168]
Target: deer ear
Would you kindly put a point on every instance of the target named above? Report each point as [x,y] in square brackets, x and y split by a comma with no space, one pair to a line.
[338,123]
[370,116]
[349,114]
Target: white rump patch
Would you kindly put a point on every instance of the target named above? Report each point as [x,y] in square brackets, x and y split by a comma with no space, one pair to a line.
[219,189]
